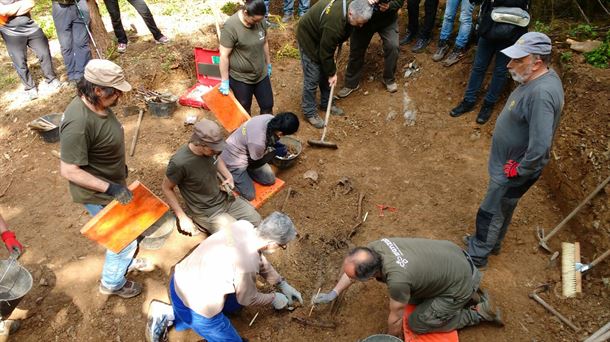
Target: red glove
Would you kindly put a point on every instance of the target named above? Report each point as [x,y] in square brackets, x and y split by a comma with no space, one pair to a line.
[11,241]
[510,169]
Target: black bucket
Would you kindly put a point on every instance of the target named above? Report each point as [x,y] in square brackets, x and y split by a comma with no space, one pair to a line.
[294,146]
[162,109]
[15,283]
[155,236]
[50,135]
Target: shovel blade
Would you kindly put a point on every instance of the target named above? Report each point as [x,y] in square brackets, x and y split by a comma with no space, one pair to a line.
[321,143]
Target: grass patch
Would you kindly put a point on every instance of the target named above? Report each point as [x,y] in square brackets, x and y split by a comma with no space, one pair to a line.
[230,8]
[287,51]
[9,79]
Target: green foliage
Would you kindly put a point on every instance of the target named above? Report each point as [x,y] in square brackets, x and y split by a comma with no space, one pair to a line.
[583,32]
[41,13]
[230,8]
[287,51]
[600,57]
[566,57]
[9,79]
[539,26]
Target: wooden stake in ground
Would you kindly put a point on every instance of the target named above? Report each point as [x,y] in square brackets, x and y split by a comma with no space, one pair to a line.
[253,319]
[135,135]
[312,304]
[286,199]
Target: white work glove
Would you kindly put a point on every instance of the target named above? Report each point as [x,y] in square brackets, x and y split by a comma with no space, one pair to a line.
[280,301]
[324,298]
[290,292]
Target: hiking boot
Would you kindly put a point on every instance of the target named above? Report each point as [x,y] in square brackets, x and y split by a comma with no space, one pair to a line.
[456,54]
[129,290]
[407,39]
[315,121]
[485,112]
[287,18]
[141,264]
[162,40]
[466,240]
[121,47]
[31,94]
[9,327]
[420,45]
[345,91]
[160,318]
[487,312]
[391,87]
[462,108]
[441,50]
[334,110]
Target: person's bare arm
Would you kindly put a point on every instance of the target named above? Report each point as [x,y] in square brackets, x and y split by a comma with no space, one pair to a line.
[10,10]
[343,283]
[185,222]
[26,7]
[266,50]
[226,174]
[224,62]
[395,318]
[76,175]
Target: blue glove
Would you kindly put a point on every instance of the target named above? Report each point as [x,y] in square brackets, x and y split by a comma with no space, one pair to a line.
[224,87]
[269,69]
[280,149]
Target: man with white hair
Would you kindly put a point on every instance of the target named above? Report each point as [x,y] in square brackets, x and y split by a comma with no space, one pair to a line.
[521,143]
[219,277]
[324,27]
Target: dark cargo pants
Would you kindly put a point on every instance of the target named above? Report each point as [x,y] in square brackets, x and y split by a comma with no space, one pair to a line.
[115,15]
[313,77]
[358,44]
[446,313]
[239,209]
[493,218]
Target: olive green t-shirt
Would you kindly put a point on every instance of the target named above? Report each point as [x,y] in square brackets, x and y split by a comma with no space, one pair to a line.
[96,144]
[196,178]
[247,60]
[423,268]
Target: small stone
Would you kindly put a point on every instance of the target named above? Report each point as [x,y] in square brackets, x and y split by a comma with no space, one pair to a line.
[391,115]
[596,224]
[39,300]
[366,92]
[311,175]
[43,282]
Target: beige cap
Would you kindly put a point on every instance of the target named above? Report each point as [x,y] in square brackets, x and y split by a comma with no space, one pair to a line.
[105,73]
[209,133]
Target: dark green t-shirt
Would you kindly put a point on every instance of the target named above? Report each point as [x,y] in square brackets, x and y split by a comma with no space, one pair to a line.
[196,178]
[96,144]
[423,268]
[247,60]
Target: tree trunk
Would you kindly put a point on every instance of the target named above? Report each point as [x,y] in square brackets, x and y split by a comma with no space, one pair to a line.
[98,31]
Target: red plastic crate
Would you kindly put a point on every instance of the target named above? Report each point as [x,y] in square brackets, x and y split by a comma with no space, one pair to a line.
[205,64]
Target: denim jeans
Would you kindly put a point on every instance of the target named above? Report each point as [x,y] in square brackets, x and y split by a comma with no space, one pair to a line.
[17,47]
[289,7]
[115,264]
[73,37]
[244,180]
[358,44]
[115,15]
[466,9]
[430,8]
[215,329]
[486,50]
[313,77]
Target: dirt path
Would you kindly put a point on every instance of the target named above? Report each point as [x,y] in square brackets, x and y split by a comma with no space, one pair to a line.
[434,173]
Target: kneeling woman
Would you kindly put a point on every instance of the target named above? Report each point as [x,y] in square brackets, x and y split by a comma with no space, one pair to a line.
[253,145]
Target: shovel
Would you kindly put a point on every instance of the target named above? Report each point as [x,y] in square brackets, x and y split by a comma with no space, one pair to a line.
[321,142]
[543,239]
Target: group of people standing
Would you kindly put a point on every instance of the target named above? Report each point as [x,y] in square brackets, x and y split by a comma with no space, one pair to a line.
[71,19]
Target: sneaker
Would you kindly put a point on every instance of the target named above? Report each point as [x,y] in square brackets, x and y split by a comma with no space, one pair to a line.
[129,290]
[315,121]
[162,40]
[9,327]
[391,87]
[141,264]
[408,38]
[31,94]
[55,84]
[456,54]
[271,25]
[160,318]
[441,50]
[287,18]
[121,47]
[485,112]
[466,240]
[487,312]
[345,91]
[420,45]
[462,108]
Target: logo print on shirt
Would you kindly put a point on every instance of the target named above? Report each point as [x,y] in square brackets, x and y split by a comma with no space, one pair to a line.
[512,105]
[402,262]
[261,35]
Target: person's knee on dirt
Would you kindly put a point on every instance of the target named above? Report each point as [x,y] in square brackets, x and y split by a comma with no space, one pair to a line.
[522,140]
[245,63]
[253,145]
[384,22]
[93,159]
[203,292]
[320,31]
[195,170]
[71,19]
[436,274]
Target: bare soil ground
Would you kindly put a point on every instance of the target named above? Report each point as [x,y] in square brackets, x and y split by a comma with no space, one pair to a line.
[434,173]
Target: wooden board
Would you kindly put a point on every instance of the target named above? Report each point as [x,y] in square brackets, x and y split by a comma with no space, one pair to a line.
[226,108]
[410,336]
[118,225]
[264,192]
